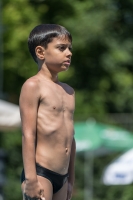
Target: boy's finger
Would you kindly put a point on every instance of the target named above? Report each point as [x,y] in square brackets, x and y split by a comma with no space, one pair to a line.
[42,198]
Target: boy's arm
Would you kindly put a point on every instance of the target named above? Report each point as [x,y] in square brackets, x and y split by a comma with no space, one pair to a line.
[71,170]
[29,99]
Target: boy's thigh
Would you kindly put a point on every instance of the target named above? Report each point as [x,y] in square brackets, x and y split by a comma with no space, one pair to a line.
[47,186]
[62,193]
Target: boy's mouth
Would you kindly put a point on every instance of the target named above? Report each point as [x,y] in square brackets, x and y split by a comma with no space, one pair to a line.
[67,62]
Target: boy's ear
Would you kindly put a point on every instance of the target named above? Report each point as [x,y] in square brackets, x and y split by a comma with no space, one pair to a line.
[40,52]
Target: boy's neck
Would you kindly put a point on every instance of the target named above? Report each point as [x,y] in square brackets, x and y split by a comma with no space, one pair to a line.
[46,74]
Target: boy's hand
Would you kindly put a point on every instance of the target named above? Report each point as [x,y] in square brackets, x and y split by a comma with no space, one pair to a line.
[69,191]
[33,191]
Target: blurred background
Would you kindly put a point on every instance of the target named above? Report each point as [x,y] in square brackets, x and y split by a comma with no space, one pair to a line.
[101,73]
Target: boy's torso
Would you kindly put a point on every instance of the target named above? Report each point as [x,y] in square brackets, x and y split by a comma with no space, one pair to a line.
[55,126]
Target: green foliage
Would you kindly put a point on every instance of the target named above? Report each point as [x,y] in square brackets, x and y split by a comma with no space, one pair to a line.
[103,55]
[11,142]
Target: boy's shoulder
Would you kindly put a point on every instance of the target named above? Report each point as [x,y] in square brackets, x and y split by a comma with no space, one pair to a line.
[31,82]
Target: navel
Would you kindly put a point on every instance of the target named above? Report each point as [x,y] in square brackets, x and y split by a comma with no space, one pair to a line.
[66,150]
[54,107]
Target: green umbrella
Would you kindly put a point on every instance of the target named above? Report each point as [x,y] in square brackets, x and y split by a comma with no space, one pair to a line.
[86,137]
[116,138]
[91,135]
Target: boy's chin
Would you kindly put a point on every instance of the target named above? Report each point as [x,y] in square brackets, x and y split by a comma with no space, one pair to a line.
[64,68]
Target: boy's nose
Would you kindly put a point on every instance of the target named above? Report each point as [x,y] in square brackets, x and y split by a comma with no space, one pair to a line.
[69,53]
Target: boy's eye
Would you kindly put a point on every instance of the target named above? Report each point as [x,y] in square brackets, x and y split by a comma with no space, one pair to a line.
[62,48]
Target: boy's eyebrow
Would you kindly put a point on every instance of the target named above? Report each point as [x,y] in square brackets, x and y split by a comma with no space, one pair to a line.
[62,44]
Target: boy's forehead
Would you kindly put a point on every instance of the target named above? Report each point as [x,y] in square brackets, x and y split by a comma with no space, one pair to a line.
[61,39]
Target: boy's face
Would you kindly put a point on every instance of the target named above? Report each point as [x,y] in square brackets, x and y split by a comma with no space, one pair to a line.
[57,55]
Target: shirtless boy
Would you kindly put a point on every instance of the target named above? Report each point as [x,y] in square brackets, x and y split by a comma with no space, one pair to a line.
[47,107]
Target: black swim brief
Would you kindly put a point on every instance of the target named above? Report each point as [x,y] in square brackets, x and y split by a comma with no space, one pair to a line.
[56,179]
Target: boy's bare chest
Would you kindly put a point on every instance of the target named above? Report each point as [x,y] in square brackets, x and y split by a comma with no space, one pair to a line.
[57,99]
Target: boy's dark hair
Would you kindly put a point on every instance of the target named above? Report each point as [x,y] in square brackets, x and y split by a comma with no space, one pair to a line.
[43,34]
